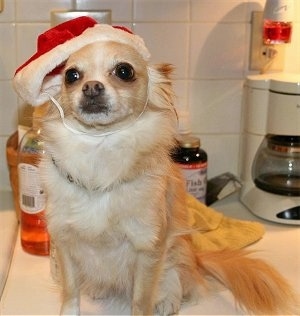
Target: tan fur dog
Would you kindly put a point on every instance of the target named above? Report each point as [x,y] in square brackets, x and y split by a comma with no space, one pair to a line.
[116,203]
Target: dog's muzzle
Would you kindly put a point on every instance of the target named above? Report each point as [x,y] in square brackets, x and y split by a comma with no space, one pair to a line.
[93,99]
[68,125]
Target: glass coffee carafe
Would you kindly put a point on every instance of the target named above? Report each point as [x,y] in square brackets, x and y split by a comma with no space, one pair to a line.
[276,167]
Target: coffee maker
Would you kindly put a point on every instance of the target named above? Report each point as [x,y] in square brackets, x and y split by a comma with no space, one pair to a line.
[270,149]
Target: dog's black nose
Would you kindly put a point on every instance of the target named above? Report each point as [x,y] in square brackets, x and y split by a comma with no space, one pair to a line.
[92,88]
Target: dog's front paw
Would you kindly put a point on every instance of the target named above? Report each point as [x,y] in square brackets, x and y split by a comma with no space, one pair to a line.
[170,294]
[70,307]
[168,307]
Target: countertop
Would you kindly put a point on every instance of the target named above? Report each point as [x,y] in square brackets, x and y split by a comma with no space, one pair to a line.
[29,288]
[8,234]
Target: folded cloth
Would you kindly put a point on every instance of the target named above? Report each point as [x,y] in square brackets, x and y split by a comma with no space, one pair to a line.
[215,231]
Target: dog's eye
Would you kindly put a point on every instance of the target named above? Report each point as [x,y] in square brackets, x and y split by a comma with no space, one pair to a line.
[124,71]
[71,75]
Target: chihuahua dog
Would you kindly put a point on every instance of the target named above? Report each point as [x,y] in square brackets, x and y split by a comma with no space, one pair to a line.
[117,203]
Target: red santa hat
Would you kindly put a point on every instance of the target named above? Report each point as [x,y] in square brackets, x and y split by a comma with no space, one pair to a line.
[42,72]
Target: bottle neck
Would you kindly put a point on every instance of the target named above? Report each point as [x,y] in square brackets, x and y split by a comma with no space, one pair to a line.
[37,116]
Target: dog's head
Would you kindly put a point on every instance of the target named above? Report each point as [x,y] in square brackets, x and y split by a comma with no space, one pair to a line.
[105,83]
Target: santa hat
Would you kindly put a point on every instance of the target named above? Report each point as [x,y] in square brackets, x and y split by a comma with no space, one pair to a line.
[41,74]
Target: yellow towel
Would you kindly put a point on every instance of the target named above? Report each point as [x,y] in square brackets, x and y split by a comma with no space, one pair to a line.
[216,231]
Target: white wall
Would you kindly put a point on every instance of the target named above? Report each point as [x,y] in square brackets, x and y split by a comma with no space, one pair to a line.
[207,41]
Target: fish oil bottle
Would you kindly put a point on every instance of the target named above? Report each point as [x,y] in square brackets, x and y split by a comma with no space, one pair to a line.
[32,197]
[193,162]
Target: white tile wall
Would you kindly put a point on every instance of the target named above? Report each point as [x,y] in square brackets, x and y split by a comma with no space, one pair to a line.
[122,10]
[38,10]
[169,45]
[217,50]
[8,50]
[218,10]
[216,106]
[161,11]
[206,40]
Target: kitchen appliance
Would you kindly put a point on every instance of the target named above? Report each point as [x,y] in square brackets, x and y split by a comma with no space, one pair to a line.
[270,160]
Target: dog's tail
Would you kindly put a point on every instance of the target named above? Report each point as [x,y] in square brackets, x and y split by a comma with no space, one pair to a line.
[256,285]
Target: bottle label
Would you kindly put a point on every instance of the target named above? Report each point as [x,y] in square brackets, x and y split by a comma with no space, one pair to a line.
[32,195]
[195,175]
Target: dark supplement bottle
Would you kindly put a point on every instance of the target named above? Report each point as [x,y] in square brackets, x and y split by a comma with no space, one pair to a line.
[193,162]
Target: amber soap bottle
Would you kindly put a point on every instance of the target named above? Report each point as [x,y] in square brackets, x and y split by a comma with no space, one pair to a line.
[32,198]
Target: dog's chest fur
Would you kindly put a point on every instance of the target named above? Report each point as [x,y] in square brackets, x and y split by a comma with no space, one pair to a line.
[115,204]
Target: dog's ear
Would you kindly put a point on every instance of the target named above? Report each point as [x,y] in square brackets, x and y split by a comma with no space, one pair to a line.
[160,90]
[165,69]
